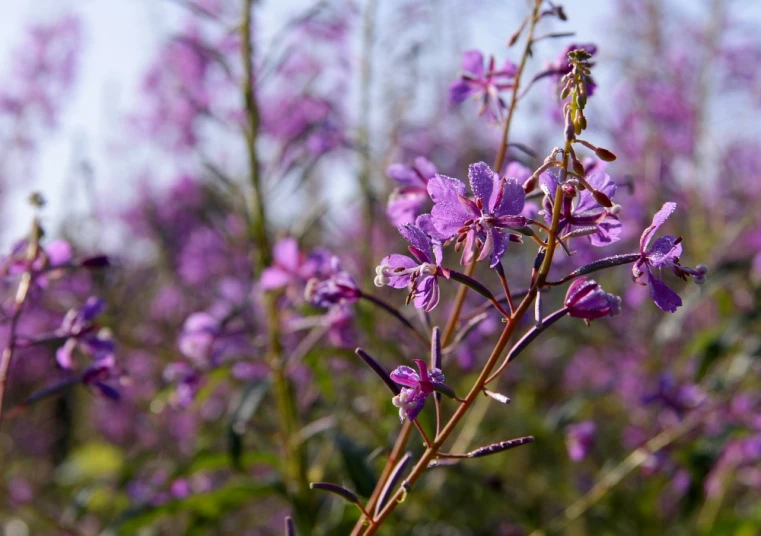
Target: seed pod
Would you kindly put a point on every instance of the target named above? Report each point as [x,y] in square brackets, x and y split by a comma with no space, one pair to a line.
[605,155]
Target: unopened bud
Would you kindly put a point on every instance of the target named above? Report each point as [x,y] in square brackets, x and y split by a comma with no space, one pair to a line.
[605,155]
[530,184]
[702,269]
[578,167]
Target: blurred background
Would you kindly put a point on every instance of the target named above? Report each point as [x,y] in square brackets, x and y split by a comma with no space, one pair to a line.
[128,116]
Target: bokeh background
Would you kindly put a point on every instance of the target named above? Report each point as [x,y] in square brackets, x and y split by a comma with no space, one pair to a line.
[128,117]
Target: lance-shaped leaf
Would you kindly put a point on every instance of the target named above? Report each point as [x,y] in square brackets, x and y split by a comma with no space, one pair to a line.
[335,489]
[500,447]
[250,398]
[473,284]
[356,464]
[392,481]
[290,528]
[379,370]
[601,264]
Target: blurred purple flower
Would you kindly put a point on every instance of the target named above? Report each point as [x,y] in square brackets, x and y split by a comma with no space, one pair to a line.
[405,201]
[498,205]
[477,79]
[580,440]
[416,388]
[337,288]
[197,340]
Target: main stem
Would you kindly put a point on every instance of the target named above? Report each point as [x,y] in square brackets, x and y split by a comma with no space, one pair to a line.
[449,329]
[475,391]
[294,461]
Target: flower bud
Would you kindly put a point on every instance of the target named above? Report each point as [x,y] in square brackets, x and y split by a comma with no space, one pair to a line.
[586,299]
[605,155]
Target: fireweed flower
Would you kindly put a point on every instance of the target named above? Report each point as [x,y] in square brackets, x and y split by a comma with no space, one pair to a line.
[292,268]
[580,439]
[561,66]
[83,334]
[421,273]
[586,211]
[498,205]
[415,388]
[198,338]
[487,82]
[405,201]
[336,288]
[586,299]
[664,253]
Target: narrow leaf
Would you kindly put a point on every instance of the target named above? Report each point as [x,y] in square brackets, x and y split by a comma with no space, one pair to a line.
[379,370]
[335,489]
[392,481]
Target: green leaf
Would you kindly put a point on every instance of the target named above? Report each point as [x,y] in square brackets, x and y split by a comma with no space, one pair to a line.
[251,396]
[356,464]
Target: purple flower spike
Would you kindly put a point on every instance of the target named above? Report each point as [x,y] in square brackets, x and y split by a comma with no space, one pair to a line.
[586,211]
[486,82]
[586,299]
[420,272]
[406,200]
[416,388]
[478,224]
[336,288]
[580,440]
[664,253]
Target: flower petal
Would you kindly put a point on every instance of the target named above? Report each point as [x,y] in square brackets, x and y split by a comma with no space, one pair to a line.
[482,180]
[404,375]
[662,295]
[449,217]
[445,189]
[513,199]
[663,250]
[659,219]
[418,239]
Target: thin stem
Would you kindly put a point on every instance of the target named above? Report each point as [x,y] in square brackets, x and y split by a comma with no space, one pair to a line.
[459,300]
[422,433]
[390,309]
[514,100]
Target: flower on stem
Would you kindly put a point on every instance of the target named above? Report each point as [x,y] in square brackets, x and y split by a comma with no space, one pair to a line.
[420,272]
[336,288]
[561,67]
[587,211]
[664,253]
[198,338]
[586,299]
[498,205]
[405,201]
[83,334]
[580,439]
[291,268]
[484,81]
[415,388]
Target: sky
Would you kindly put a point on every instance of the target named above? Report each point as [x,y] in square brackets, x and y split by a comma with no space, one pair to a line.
[120,39]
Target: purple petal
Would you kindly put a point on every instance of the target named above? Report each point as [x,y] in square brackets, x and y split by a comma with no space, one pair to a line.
[418,239]
[500,246]
[517,171]
[59,252]
[425,223]
[399,261]
[473,63]
[512,202]
[406,376]
[460,90]
[425,167]
[274,277]
[663,296]
[482,180]
[404,175]
[64,354]
[659,219]
[445,189]
[598,181]
[663,250]
[404,205]
[286,254]
[427,295]
[608,231]
[449,217]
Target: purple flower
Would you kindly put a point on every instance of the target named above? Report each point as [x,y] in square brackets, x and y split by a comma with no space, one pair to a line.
[586,212]
[405,201]
[187,382]
[337,288]
[420,272]
[416,388]
[664,253]
[580,440]
[198,337]
[78,326]
[586,299]
[487,82]
[498,205]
